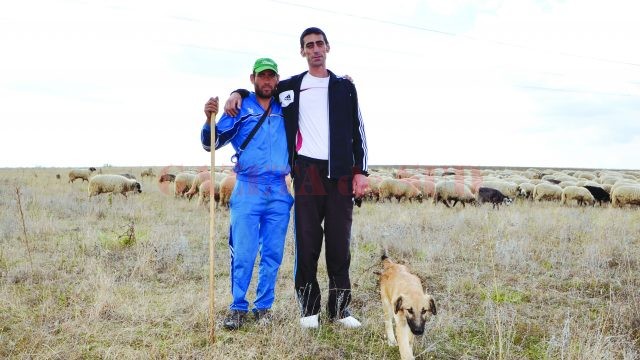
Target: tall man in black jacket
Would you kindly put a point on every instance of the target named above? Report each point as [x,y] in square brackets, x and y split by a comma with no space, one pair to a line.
[327,143]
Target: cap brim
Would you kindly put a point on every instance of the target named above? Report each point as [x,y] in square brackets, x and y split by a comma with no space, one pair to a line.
[263,68]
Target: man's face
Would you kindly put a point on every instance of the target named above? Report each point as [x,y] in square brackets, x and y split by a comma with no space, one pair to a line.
[315,49]
[265,83]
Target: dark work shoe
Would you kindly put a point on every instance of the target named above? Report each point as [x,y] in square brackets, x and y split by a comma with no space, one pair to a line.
[263,316]
[234,319]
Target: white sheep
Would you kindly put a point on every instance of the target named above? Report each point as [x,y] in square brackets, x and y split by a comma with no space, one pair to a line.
[453,190]
[625,195]
[609,179]
[426,187]
[532,174]
[112,183]
[585,175]
[547,191]
[372,191]
[399,189]
[558,177]
[83,174]
[226,189]
[195,184]
[182,183]
[588,183]
[564,184]
[149,172]
[577,193]
[204,193]
[623,182]
[525,190]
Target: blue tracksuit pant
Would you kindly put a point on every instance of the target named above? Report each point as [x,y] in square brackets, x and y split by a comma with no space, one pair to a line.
[259,221]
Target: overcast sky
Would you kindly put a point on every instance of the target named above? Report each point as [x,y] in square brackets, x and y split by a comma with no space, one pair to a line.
[447,82]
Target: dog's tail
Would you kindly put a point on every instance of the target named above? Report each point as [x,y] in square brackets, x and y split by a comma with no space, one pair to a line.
[385,254]
[384,259]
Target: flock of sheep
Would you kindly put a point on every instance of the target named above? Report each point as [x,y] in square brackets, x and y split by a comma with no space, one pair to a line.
[187,183]
[443,185]
[451,185]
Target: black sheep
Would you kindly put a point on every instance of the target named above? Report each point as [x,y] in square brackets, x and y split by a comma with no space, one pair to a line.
[493,196]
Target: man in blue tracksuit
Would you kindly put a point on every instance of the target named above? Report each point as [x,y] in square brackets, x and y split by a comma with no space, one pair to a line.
[260,203]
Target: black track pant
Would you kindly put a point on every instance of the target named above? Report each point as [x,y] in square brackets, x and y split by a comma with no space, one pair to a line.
[318,199]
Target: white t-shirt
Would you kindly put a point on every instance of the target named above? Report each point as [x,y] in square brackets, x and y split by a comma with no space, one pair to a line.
[313,135]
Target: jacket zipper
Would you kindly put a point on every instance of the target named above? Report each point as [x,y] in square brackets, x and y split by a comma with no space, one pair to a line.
[329,128]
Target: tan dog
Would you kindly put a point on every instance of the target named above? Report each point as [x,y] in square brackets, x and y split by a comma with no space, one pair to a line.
[403,300]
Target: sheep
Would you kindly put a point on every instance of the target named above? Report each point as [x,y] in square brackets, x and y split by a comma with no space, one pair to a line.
[516,179]
[149,172]
[609,179]
[399,189]
[83,174]
[564,184]
[509,189]
[628,176]
[493,196]
[547,191]
[625,195]
[195,183]
[599,194]
[526,190]
[166,178]
[580,194]
[182,183]
[112,183]
[584,175]
[373,188]
[584,183]
[204,193]
[426,187]
[199,179]
[402,173]
[128,176]
[453,190]
[622,182]
[226,189]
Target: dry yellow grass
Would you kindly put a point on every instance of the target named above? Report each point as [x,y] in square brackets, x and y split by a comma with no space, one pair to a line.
[122,278]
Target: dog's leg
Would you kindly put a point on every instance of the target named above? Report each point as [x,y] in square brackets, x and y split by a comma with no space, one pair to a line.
[388,319]
[404,339]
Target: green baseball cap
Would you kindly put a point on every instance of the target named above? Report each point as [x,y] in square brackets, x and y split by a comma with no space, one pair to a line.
[263,64]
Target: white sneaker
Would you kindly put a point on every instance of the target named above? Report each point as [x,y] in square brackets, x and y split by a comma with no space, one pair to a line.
[309,322]
[350,322]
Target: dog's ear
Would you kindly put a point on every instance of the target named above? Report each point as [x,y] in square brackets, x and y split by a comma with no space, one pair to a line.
[432,306]
[398,304]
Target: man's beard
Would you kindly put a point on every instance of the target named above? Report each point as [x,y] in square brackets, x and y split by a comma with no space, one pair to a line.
[261,94]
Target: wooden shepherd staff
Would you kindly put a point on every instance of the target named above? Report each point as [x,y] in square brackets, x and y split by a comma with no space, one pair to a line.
[212,232]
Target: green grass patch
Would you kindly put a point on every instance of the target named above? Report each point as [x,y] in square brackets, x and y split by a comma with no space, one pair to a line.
[505,296]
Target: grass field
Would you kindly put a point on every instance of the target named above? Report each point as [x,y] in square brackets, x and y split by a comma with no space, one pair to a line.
[113,277]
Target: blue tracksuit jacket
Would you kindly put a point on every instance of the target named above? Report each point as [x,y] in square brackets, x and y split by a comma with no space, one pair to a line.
[266,155]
